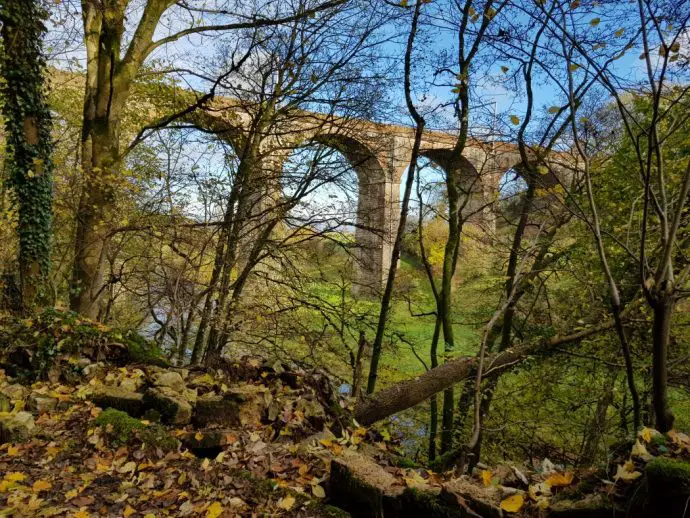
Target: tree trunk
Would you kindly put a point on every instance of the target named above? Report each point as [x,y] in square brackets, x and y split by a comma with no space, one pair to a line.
[29,143]
[413,391]
[433,403]
[661,330]
[596,428]
[362,353]
[397,245]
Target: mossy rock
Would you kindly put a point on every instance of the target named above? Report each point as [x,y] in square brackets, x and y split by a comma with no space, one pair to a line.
[115,397]
[668,482]
[141,350]
[669,475]
[124,429]
[173,408]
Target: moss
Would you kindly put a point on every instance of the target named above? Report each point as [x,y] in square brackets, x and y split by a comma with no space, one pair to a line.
[659,440]
[420,503]
[142,351]
[404,462]
[120,425]
[124,429]
[669,475]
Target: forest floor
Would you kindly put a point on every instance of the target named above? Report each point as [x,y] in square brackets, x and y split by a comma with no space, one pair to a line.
[93,423]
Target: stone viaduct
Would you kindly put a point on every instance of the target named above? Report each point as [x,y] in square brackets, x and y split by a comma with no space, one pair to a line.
[380,154]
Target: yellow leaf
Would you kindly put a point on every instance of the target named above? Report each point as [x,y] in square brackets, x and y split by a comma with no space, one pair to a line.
[627,472]
[646,434]
[513,503]
[560,479]
[554,109]
[12,451]
[286,503]
[82,513]
[41,485]
[129,511]
[594,22]
[15,476]
[72,493]
[640,450]
[573,67]
[182,478]
[220,457]
[149,515]
[198,436]
[619,32]
[515,119]
[318,491]
[214,510]
[129,467]
[205,464]
[486,477]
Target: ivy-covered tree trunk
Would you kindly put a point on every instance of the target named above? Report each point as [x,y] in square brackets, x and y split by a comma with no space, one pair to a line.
[29,146]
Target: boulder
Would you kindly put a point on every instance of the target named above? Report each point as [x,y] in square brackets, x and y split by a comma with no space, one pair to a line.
[216,410]
[590,506]
[253,401]
[668,481]
[169,379]
[471,498]
[119,399]
[131,384]
[16,427]
[363,488]
[173,407]
[15,391]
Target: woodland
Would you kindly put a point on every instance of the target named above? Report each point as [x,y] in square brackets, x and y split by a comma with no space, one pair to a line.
[345,258]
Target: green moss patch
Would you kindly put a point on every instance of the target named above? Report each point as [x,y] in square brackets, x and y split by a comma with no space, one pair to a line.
[123,429]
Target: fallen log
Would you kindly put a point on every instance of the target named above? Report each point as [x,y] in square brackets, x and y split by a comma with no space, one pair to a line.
[413,391]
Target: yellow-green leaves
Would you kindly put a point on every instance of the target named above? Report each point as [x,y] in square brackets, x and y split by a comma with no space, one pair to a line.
[515,119]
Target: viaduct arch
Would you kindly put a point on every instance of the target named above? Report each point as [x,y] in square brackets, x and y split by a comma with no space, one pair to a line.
[379,154]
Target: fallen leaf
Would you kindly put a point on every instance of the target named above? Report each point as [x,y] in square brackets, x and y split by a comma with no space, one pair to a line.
[129,511]
[214,510]
[513,503]
[286,503]
[41,485]
[318,491]
[560,479]
[15,476]
[486,477]
[129,467]
[646,434]
[627,472]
